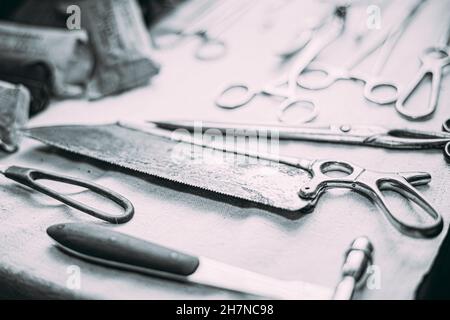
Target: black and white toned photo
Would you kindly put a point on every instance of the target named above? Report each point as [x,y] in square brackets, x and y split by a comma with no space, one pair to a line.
[241,151]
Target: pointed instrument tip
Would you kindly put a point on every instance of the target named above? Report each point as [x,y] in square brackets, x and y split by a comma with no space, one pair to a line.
[159,123]
[173,124]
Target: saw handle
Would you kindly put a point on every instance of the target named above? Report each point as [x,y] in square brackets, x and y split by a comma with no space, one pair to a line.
[111,248]
[29,178]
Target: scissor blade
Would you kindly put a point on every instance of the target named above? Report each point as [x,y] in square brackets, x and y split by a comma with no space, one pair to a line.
[374,136]
[327,133]
[219,275]
[410,139]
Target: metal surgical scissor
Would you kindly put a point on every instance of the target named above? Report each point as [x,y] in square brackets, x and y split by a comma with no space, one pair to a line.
[386,40]
[246,93]
[29,178]
[372,136]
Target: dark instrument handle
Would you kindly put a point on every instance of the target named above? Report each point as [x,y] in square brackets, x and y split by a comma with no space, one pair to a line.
[105,246]
[28,177]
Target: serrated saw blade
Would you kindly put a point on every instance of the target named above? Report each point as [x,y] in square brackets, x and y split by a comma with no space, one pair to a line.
[259,181]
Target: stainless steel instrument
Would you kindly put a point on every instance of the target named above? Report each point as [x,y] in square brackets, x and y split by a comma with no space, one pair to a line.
[433,62]
[372,136]
[208,27]
[385,40]
[246,93]
[30,177]
[104,246]
[264,178]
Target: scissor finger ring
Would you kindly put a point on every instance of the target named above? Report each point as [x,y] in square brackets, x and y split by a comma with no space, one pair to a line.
[290,104]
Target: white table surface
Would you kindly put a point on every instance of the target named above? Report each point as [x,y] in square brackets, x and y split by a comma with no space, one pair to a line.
[310,248]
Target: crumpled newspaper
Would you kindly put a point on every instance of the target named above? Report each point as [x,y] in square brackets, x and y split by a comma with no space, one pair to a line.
[121,45]
[14,111]
[36,76]
[66,52]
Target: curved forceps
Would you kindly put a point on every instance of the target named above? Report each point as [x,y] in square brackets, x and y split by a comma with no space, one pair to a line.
[434,60]
[29,178]
[290,100]
[372,184]
[385,40]
[326,36]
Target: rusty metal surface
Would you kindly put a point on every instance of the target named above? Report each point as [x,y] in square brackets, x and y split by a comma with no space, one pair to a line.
[264,182]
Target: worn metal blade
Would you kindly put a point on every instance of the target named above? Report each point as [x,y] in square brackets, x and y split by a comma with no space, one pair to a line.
[220,275]
[263,182]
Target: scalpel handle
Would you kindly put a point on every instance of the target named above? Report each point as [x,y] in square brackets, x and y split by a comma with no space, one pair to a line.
[101,245]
